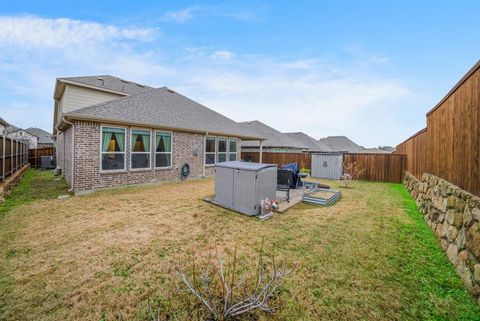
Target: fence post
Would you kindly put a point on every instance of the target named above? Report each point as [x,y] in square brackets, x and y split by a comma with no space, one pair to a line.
[11,156]
[3,158]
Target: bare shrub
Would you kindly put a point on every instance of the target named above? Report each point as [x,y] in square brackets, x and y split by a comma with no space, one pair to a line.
[227,290]
[351,171]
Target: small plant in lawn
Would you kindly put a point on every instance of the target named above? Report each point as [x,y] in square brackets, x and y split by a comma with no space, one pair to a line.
[227,290]
[351,171]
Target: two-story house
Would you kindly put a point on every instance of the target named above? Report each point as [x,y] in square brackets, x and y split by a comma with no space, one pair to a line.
[111,132]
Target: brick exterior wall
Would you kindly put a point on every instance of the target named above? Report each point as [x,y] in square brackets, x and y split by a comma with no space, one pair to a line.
[67,155]
[186,148]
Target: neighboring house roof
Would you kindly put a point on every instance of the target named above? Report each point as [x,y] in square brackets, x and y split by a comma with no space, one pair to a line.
[108,82]
[341,144]
[389,149]
[12,129]
[313,144]
[274,137]
[44,137]
[375,151]
[163,108]
[4,122]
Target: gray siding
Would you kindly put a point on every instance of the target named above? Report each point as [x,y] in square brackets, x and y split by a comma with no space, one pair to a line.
[77,97]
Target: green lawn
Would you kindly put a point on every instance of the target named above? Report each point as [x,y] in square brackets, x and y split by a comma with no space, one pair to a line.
[34,185]
[102,256]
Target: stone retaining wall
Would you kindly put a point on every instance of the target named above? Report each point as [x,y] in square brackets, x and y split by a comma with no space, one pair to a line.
[454,215]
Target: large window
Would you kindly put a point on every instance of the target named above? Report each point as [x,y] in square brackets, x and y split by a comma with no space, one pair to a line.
[113,149]
[222,150]
[210,150]
[233,149]
[163,152]
[140,149]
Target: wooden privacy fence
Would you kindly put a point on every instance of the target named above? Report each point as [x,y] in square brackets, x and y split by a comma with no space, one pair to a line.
[450,145]
[376,167]
[35,155]
[415,149]
[14,154]
[304,160]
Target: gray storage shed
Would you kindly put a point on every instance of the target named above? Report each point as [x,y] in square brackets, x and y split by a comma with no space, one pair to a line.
[241,186]
[328,165]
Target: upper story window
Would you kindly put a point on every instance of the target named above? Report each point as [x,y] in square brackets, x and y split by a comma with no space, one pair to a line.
[140,149]
[113,149]
[232,149]
[210,150]
[163,151]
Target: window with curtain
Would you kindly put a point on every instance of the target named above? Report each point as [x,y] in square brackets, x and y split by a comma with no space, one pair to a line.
[222,150]
[210,151]
[232,149]
[140,149]
[163,152]
[113,148]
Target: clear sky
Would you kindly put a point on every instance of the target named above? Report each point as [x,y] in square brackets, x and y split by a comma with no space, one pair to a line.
[366,69]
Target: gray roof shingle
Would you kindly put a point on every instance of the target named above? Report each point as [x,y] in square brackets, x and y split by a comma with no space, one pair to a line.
[164,108]
[110,83]
[274,137]
[44,137]
[313,144]
[341,144]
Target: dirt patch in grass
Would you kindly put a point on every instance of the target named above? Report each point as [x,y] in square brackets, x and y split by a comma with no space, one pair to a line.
[103,255]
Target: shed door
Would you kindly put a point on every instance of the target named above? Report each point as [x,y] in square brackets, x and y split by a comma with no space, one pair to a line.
[327,166]
[224,185]
[244,191]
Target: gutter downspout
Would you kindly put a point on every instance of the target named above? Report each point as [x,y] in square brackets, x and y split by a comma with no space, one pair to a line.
[73,151]
[203,154]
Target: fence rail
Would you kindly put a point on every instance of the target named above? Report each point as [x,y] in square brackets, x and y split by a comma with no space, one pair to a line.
[35,155]
[14,154]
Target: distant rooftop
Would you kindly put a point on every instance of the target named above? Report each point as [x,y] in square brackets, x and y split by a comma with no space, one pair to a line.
[274,139]
[44,137]
[313,144]
[342,144]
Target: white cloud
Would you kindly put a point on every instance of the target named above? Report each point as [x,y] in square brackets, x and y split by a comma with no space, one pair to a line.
[36,32]
[222,55]
[312,95]
[179,16]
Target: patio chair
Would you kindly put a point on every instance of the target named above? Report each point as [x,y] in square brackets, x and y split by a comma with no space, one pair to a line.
[284,181]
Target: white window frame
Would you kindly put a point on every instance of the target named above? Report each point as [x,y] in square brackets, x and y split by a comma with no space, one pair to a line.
[209,153]
[132,152]
[236,146]
[171,149]
[217,150]
[124,152]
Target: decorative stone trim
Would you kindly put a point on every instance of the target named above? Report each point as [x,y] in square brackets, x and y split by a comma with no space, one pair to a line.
[454,216]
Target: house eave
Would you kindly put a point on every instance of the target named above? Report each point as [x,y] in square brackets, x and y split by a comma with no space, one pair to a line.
[57,94]
[149,125]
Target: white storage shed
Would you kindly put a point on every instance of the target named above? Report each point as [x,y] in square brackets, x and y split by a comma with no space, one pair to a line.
[241,186]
